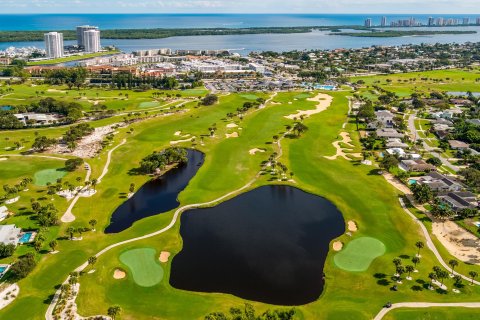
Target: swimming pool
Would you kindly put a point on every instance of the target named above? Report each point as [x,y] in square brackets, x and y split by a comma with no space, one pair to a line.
[412,181]
[3,269]
[26,237]
[325,87]
[477,224]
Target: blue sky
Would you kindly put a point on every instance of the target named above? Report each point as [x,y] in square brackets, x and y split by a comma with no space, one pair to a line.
[241,6]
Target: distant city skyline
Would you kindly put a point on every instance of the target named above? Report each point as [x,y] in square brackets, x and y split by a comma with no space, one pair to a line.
[246,6]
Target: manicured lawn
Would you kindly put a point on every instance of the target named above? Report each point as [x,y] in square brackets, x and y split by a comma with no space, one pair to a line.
[359,254]
[143,265]
[48,176]
[72,58]
[433,314]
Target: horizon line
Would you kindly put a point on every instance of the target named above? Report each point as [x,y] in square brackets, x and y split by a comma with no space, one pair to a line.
[233,13]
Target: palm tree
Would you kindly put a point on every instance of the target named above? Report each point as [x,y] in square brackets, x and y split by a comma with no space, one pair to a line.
[453,263]
[53,244]
[409,269]
[432,276]
[132,187]
[71,231]
[472,275]
[114,311]
[94,183]
[299,128]
[415,260]
[397,262]
[92,260]
[420,246]
[92,223]
[400,270]
[442,275]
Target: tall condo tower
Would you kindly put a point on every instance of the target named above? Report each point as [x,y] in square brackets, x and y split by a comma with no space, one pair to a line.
[54,44]
[80,34]
[91,41]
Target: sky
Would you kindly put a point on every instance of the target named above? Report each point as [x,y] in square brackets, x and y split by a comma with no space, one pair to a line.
[242,6]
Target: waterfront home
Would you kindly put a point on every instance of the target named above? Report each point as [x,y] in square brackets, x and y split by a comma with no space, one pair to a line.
[458,201]
[9,234]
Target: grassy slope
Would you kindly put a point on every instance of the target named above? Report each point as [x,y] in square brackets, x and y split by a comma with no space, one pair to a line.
[72,58]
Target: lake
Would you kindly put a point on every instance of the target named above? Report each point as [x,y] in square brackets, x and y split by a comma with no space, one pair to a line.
[267,245]
[156,196]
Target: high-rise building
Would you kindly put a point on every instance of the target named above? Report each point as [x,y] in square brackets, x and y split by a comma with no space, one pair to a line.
[80,34]
[440,21]
[384,21]
[466,21]
[91,41]
[368,23]
[54,44]
[478,21]
[431,21]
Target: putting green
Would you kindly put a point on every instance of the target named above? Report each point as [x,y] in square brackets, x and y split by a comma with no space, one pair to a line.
[42,178]
[359,254]
[145,269]
[249,96]
[150,104]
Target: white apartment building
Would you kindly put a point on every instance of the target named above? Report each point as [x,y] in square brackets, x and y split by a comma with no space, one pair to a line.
[91,40]
[54,44]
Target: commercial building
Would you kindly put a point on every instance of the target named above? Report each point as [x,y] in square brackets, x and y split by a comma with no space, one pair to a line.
[80,34]
[54,44]
[91,41]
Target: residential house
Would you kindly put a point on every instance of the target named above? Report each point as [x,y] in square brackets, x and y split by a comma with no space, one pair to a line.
[458,201]
[385,118]
[389,133]
[3,213]
[9,234]
[440,183]
[396,143]
[458,145]
[416,166]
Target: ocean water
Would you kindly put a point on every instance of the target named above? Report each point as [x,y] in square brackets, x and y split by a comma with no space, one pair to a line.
[242,44]
[53,22]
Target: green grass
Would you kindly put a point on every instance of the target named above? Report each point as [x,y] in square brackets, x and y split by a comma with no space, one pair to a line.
[303,96]
[359,254]
[143,265]
[72,58]
[48,176]
[250,96]
[435,313]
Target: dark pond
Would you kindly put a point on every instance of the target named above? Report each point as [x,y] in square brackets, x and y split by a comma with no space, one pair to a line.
[156,196]
[268,245]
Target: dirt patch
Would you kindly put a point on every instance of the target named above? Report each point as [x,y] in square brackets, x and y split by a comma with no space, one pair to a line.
[460,243]
[337,246]
[119,274]
[352,226]
[232,135]
[164,256]
[255,150]
[323,102]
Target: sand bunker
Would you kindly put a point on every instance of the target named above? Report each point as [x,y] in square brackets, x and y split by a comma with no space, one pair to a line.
[232,135]
[460,243]
[341,152]
[119,274]
[55,90]
[254,151]
[181,141]
[3,159]
[164,255]
[323,102]
[337,246]
[178,133]
[352,226]
[232,125]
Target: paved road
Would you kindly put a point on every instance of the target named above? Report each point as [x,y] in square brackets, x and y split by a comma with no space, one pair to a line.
[415,136]
[384,311]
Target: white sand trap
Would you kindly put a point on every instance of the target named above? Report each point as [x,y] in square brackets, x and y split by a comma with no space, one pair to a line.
[10,201]
[181,141]
[119,274]
[232,125]
[352,226]
[337,246]
[55,90]
[256,150]
[341,151]
[460,243]
[178,133]
[275,102]
[91,271]
[231,135]
[290,102]
[8,295]
[323,102]
[164,255]
[3,159]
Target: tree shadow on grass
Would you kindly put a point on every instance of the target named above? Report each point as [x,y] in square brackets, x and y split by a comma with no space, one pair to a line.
[417,288]
[404,256]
